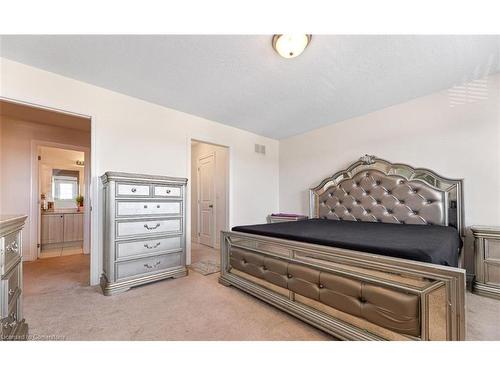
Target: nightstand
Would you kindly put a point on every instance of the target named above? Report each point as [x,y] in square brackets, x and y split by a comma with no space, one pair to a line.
[487,261]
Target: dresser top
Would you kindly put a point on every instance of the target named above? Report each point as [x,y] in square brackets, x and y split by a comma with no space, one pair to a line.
[10,222]
[7,219]
[481,230]
[131,177]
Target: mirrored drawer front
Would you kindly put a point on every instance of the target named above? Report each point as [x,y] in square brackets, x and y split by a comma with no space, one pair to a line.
[492,273]
[11,251]
[132,190]
[147,265]
[9,323]
[145,246]
[166,191]
[148,208]
[148,227]
[492,249]
[11,283]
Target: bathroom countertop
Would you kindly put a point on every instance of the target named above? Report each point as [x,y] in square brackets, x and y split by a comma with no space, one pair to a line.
[62,212]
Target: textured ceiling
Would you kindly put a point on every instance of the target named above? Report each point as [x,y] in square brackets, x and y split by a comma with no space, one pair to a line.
[240,81]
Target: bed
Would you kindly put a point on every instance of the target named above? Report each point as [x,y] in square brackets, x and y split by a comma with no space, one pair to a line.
[380,258]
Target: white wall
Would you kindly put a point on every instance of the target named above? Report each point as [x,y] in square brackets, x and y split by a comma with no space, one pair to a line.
[131,135]
[16,139]
[460,142]
[220,176]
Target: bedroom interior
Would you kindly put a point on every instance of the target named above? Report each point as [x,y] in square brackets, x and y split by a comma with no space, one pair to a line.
[301,187]
[152,222]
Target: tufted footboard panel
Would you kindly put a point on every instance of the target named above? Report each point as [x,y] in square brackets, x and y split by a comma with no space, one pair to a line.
[387,307]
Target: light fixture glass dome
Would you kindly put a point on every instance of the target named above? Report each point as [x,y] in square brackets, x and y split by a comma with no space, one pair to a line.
[290,45]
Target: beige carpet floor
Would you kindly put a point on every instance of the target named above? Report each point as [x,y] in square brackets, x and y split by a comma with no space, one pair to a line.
[59,304]
[201,252]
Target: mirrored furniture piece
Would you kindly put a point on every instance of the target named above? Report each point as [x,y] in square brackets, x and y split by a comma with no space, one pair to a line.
[486,261]
[12,323]
[144,230]
[280,218]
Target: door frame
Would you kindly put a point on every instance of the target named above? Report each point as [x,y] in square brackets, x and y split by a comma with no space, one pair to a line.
[94,197]
[35,212]
[198,206]
[229,184]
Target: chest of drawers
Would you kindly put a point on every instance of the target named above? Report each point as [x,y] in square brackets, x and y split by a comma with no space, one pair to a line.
[12,324]
[144,230]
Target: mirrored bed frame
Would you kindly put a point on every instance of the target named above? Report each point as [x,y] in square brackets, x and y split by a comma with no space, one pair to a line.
[356,295]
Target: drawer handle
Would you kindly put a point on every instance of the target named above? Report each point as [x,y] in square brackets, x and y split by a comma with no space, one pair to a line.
[157,206]
[151,228]
[7,324]
[134,190]
[14,317]
[147,246]
[152,266]
[11,292]
[145,206]
[169,191]
[12,247]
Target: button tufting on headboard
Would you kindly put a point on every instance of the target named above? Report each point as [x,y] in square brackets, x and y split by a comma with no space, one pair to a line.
[415,193]
[375,190]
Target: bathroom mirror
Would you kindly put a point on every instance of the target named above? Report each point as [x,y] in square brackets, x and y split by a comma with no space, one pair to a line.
[65,186]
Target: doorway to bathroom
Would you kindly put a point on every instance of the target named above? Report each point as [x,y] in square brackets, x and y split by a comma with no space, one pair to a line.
[61,188]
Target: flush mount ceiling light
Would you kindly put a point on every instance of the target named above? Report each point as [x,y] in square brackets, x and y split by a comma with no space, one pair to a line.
[290,45]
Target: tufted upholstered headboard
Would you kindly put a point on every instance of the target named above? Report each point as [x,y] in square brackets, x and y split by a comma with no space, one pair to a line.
[373,189]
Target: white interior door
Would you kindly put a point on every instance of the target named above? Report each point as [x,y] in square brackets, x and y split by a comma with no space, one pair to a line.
[206,200]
